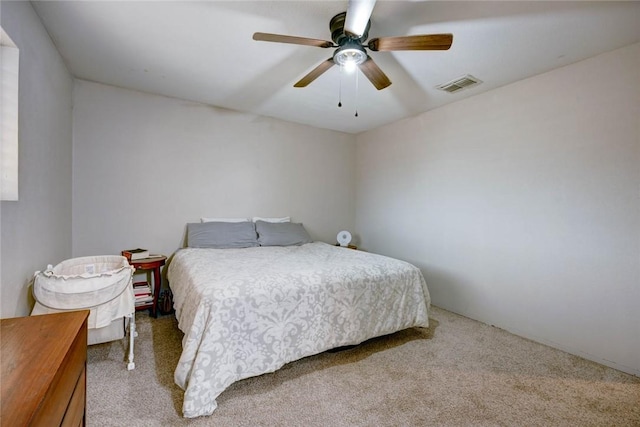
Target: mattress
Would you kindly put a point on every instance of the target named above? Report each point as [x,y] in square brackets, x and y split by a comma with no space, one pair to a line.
[247,312]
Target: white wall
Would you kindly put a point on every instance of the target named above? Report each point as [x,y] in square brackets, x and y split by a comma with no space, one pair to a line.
[145,165]
[522,205]
[36,229]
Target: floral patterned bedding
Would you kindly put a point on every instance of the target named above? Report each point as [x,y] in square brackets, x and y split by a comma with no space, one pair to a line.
[246,312]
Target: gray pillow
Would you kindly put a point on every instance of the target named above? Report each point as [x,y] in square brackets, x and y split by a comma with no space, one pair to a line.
[281,234]
[221,235]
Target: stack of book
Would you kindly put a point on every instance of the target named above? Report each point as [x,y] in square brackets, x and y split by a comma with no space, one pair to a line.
[142,292]
[134,254]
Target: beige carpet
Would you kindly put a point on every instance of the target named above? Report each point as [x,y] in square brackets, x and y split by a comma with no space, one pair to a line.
[457,373]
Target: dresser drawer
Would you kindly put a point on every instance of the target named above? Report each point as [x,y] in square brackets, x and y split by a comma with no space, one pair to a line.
[75,412]
[62,388]
[43,361]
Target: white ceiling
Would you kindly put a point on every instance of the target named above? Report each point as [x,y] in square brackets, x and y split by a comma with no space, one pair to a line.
[203,51]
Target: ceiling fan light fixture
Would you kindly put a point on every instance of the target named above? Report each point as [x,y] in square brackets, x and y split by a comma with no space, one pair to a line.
[350,55]
[350,66]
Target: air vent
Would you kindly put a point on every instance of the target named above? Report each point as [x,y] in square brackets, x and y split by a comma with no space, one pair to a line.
[459,83]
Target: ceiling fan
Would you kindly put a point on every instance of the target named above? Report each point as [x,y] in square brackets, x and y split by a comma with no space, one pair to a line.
[349,32]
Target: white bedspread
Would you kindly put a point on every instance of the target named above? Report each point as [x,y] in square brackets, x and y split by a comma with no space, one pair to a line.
[246,312]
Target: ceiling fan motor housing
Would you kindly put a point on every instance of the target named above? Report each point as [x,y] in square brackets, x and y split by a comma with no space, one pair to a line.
[339,37]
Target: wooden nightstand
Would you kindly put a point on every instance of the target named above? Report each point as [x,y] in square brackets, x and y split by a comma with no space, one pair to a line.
[151,264]
[349,246]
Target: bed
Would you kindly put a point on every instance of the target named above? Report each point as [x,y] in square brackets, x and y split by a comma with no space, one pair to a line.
[247,311]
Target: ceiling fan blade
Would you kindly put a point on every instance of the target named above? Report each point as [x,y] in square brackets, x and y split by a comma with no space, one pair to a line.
[279,38]
[418,42]
[374,74]
[315,73]
[358,14]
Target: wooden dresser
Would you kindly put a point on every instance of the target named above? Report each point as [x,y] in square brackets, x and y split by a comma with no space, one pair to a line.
[43,361]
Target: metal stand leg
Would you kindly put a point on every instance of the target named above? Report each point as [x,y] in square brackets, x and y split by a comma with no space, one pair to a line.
[132,334]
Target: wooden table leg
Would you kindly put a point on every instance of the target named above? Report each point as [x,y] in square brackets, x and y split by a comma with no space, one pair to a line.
[157,283]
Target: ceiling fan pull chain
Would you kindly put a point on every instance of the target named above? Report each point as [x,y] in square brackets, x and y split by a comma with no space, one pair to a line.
[340,88]
[357,92]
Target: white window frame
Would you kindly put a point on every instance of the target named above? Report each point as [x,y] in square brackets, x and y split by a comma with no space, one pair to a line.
[9,63]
